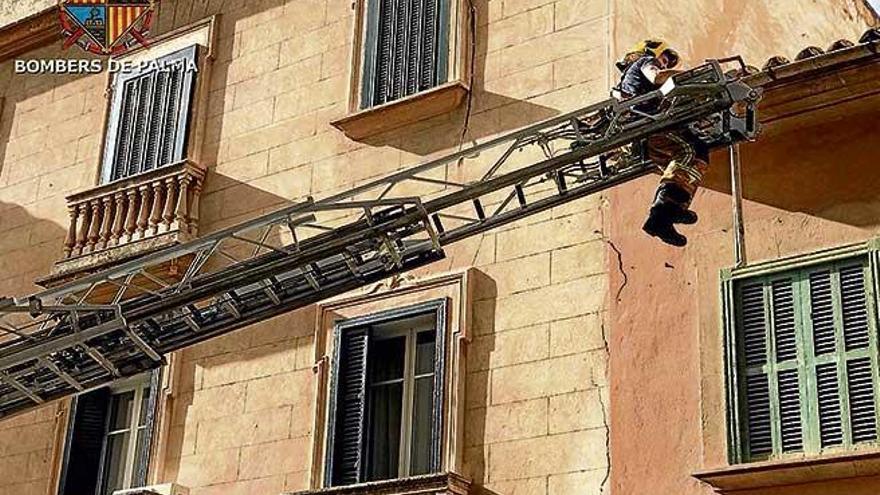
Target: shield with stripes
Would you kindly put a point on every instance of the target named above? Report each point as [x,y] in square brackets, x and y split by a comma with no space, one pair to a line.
[106,26]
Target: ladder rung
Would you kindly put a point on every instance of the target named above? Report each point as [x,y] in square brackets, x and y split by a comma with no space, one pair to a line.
[61,373]
[12,382]
[100,359]
[478,207]
[520,195]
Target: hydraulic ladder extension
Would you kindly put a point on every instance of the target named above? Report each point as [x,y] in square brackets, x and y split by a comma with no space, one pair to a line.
[123,320]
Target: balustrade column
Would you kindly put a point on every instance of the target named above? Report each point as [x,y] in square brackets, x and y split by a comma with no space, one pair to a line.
[143,213]
[84,225]
[194,206]
[70,241]
[95,229]
[156,210]
[131,217]
[170,203]
[118,219]
[181,210]
[106,223]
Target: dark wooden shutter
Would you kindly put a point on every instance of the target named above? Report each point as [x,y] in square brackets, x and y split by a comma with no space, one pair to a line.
[142,469]
[404,49]
[82,458]
[346,439]
[150,116]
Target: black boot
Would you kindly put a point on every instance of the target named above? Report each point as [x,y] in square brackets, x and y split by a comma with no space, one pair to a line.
[659,224]
[674,195]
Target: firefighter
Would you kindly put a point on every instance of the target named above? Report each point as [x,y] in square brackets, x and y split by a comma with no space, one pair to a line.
[679,154]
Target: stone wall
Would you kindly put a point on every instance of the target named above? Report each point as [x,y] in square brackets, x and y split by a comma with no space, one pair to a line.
[17,10]
[50,133]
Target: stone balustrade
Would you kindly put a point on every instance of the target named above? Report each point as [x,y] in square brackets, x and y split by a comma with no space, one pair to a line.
[149,205]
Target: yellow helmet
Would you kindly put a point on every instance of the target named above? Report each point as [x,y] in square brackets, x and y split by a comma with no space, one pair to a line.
[657,48]
[651,47]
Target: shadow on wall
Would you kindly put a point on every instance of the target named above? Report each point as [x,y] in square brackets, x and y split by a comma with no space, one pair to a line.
[28,247]
[478,381]
[822,164]
[496,113]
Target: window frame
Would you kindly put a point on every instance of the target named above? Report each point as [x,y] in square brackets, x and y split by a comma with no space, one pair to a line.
[369,27]
[140,386]
[794,266]
[137,474]
[360,123]
[439,308]
[186,114]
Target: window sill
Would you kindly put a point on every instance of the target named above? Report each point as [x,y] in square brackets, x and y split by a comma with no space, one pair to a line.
[398,113]
[791,471]
[435,484]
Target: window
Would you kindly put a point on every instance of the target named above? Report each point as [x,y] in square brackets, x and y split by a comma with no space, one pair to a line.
[150,115]
[406,48]
[803,370]
[386,410]
[108,439]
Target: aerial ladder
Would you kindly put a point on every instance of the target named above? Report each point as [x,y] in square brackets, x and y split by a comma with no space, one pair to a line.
[124,320]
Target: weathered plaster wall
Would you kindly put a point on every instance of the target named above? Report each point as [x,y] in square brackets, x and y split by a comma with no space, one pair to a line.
[240,410]
[756,29]
[667,312]
[809,183]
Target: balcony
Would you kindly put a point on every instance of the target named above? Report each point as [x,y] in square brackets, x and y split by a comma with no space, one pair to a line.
[128,218]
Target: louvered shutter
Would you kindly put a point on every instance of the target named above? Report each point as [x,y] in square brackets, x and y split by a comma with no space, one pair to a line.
[754,342]
[405,49]
[82,454]
[348,410]
[150,116]
[845,366]
[772,389]
[786,365]
[142,468]
[807,360]
[772,385]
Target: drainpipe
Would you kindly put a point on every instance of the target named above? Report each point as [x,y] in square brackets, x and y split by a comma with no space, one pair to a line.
[739,230]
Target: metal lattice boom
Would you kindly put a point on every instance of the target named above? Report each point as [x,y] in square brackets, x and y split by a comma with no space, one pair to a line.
[123,320]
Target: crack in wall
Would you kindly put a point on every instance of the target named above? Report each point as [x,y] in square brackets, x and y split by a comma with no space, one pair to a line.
[621,270]
[605,423]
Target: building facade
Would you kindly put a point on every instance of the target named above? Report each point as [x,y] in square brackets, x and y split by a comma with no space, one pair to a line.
[562,354]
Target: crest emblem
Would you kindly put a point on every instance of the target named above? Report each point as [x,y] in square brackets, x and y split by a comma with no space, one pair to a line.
[106,27]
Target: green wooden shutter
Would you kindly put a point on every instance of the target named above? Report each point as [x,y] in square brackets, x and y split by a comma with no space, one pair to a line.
[806,359]
[150,116]
[405,49]
[757,391]
[348,408]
